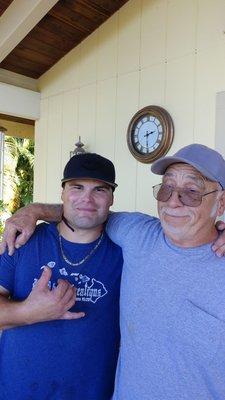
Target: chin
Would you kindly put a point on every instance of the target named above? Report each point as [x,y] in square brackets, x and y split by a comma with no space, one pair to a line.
[174,229]
[174,222]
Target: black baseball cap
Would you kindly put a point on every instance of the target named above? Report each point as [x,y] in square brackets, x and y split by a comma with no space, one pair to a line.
[90,166]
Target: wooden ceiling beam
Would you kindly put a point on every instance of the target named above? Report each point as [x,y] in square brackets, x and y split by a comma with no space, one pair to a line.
[86,9]
[3,5]
[16,22]
[83,21]
[63,27]
[17,119]
[60,42]
[24,67]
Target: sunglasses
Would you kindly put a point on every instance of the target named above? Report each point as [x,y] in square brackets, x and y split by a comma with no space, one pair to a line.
[187,197]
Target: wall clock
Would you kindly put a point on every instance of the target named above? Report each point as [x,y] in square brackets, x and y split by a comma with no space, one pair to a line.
[150,134]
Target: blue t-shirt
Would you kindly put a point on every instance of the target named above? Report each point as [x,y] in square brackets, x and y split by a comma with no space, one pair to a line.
[172,315]
[63,359]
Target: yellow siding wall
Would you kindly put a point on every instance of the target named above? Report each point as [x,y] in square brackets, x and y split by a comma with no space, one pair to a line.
[164,52]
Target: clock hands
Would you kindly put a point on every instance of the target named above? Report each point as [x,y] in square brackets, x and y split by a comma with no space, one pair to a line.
[148,133]
[147,137]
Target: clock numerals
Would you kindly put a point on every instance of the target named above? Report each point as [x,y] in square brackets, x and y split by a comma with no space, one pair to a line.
[160,129]
[156,145]
[139,125]
[140,147]
[136,139]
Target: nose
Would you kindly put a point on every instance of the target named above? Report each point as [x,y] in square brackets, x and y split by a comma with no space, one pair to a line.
[174,200]
[87,196]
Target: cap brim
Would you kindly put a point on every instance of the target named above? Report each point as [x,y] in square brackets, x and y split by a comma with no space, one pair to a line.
[114,185]
[159,167]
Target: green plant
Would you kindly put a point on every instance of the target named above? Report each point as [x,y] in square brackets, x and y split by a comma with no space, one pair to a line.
[18,176]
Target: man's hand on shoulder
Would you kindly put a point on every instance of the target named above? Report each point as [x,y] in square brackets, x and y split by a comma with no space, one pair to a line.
[19,227]
[219,245]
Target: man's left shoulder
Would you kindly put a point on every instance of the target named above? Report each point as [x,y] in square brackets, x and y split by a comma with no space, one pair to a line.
[45,228]
[132,218]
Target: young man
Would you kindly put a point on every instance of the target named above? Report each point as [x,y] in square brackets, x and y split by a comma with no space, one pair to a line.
[56,349]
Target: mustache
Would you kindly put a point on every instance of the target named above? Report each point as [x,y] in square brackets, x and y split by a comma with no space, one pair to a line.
[175,212]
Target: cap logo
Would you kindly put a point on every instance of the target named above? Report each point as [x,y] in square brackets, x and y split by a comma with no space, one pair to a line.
[91,165]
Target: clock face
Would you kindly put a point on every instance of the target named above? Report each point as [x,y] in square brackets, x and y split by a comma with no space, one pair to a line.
[150,133]
[147,134]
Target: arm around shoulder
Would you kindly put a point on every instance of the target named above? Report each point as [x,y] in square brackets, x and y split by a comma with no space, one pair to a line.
[122,226]
[19,227]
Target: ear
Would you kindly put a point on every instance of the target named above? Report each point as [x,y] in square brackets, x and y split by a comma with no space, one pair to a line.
[112,200]
[221,205]
[62,194]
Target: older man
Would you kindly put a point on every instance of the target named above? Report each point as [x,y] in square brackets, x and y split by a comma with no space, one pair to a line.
[50,352]
[173,285]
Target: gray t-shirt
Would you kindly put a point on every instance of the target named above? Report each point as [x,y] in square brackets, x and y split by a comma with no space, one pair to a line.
[172,315]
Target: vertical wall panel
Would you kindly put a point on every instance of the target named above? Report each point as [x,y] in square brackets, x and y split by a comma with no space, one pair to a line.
[153,32]
[88,60]
[181,27]
[180,98]
[87,116]
[70,134]
[152,85]
[71,67]
[127,105]
[106,118]
[210,27]
[54,85]
[220,123]
[210,79]
[129,37]
[146,179]
[54,149]
[41,150]
[107,49]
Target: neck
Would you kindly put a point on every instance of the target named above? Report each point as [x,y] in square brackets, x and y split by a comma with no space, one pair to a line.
[193,241]
[79,235]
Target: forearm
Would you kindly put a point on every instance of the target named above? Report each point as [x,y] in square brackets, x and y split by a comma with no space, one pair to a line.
[12,313]
[45,212]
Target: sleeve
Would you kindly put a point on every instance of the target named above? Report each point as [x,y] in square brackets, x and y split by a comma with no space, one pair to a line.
[7,271]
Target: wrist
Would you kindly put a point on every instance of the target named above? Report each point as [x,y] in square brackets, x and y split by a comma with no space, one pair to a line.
[45,212]
[14,314]
[33,210]
[22,315]
[25,314]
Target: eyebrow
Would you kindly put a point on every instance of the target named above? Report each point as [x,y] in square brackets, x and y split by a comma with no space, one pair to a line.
[197,179]
[102,186]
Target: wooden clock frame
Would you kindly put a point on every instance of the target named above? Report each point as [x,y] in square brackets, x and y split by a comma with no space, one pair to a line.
[168,133]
